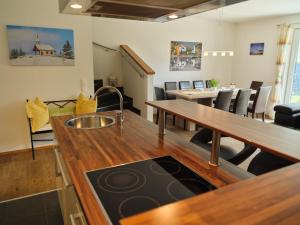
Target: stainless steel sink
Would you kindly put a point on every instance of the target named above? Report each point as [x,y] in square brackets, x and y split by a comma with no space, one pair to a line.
[90,122]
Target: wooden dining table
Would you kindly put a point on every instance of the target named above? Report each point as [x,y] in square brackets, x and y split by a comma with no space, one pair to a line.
[204,96]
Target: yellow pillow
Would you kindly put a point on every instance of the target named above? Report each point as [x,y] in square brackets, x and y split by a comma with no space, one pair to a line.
[82,97]
[85,105]
[38,115]
[40,103]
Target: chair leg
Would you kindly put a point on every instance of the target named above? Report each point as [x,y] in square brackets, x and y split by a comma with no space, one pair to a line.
[32,147]
[157,116]
[253,115]
[263,117]
[166,118]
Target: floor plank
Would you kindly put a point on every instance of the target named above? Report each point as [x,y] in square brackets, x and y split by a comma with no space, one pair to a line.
[21,176]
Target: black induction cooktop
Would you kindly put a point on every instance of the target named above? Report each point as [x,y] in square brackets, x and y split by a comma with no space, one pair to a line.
[133,188]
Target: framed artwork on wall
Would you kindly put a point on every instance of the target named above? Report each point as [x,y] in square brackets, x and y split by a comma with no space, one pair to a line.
[185,56]
[257,48]
[38,46]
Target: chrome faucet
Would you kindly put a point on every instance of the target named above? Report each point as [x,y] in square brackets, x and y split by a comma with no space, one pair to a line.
[120,96]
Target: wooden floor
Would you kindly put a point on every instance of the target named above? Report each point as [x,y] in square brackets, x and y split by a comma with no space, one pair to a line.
[22,176]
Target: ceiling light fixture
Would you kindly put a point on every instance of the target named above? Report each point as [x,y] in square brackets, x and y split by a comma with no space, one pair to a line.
[76,6]
[216,53]
[222,53]
[173,16]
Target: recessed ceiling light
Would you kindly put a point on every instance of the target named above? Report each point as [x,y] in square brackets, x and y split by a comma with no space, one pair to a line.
[76,6]
[173,16]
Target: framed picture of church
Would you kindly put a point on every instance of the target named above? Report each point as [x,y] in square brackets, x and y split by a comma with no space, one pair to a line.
[38,46]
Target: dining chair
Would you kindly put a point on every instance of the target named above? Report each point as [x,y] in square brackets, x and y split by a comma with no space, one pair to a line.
[184,85]
[223,100]
[168,87]
[198,84]
[265,162]
[255,85]
[259,105]
[161,95]
[208,83]
[241,102]
[236,156]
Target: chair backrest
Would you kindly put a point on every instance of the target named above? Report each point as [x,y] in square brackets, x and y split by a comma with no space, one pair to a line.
[159,93]
[241,102]
[184,85]
[223,100]
[255,85]
[198,84]
[208,83]
[261,99]
[170,86]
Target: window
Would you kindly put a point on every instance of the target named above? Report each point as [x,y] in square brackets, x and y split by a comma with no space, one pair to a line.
[293,79]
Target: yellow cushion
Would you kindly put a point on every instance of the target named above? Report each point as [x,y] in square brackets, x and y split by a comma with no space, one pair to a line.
[82,97]
[85,105]
[39,116]
[40,103]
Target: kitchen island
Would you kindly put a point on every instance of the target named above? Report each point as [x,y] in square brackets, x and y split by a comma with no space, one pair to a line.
[86,150]
[239,199]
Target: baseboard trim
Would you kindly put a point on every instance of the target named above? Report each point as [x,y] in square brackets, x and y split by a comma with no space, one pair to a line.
[41,148]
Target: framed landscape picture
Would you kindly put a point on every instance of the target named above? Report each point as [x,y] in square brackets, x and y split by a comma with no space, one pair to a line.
[185,56]
[257,48]
[37,46]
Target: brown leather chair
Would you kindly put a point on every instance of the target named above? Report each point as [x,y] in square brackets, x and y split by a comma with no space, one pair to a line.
[259,105]
[255,85]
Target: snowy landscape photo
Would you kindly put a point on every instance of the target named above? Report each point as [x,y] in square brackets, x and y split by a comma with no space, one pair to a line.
[37,46]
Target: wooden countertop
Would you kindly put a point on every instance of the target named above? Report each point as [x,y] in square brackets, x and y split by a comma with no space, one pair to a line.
[271,199]
[275,139]
[85,150]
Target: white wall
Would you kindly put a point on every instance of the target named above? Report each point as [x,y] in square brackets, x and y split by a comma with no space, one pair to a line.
[151,41]
[247,68]
[139,88]
[106,64]
[17,83]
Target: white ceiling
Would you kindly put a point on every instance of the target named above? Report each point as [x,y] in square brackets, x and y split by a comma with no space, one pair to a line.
[255,9]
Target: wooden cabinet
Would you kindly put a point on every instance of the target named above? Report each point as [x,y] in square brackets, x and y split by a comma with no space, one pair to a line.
[70,206]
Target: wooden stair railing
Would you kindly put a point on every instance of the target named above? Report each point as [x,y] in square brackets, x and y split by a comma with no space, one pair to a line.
[139,64]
